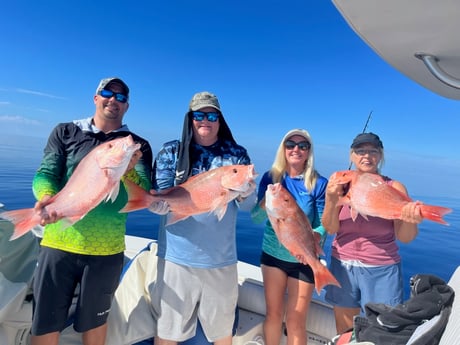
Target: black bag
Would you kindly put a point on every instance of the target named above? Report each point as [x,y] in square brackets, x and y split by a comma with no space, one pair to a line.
[427,311]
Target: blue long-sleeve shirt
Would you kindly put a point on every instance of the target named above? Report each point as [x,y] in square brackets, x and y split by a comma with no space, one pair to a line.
[311,203]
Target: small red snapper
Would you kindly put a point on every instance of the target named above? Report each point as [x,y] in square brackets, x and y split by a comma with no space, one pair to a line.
[95,179]
[294,231]
[209,191]
[369,195]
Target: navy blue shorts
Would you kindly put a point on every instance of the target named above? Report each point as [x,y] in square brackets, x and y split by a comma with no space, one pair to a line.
[56,278]
[292,269]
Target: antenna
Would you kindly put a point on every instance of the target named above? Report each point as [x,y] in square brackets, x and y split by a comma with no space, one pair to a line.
[367,121]
[364,129]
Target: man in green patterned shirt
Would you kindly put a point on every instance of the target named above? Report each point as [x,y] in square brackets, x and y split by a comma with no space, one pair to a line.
[88,254]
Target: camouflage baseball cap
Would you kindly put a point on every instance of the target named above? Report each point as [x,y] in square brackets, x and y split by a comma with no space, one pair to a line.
[202,100]
[106,81]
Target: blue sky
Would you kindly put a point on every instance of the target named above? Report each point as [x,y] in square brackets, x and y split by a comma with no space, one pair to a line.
[275,65]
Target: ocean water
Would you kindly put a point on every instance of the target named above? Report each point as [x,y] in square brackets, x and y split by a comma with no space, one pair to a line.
[436,250]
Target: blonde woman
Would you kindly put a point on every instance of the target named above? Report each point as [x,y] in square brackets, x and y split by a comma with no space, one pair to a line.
[293,167]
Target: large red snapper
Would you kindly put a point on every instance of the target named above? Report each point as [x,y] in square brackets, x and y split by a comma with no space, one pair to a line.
[209,191]
[294,231]
[95,179]
[369,195]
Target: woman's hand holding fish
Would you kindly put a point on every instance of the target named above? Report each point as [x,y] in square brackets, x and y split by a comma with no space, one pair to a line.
[46,218]
[412,213]
[334,190]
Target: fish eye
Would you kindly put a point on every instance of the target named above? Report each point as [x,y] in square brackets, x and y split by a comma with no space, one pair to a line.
[235,170]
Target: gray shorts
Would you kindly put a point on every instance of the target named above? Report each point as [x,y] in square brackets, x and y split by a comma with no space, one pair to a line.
[184,294]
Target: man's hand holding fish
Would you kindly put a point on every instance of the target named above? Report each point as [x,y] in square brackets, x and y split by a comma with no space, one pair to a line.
[47,218]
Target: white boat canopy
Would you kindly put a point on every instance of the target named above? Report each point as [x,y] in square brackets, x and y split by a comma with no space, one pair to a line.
[420,38]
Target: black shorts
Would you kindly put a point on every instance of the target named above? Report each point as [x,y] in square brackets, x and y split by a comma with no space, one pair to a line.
[58,274]
[292,269]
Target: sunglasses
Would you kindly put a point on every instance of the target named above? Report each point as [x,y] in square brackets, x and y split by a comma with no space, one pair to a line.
[370,152]
[118,96]
[291,144]
[211,116]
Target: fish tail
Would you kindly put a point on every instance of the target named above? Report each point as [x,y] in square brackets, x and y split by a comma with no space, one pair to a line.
[323,277]
[435,213]
[23,220]
[138,198]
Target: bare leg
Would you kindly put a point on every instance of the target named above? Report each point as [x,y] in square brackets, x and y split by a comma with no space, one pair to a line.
[344,318]
[159,341]
[224,341]
[298,303]
[46,339]
[275,282]
[95,336]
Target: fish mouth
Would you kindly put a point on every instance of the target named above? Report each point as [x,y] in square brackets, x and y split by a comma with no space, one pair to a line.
[274,188]
[131,147]
[252,172]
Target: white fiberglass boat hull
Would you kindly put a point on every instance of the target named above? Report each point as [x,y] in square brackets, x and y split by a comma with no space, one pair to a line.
[399,30]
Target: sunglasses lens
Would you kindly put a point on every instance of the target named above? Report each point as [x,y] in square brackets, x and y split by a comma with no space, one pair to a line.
[118,96]
[198,116]
[289,144]
[106,93]
[303,145]
[362,152]
[212,117]
[121,98]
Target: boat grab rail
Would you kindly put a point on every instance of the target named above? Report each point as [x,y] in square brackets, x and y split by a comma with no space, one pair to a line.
[432,63]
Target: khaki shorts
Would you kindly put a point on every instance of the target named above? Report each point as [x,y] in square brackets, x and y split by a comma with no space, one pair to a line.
[184,294]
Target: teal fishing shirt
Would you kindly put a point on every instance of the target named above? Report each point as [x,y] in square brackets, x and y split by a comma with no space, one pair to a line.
[311,203]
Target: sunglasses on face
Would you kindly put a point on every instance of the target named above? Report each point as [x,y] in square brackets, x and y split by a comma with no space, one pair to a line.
[118,96]
[362,152]
[200,115]
[291,144]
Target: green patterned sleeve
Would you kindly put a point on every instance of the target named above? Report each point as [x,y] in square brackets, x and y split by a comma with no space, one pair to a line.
[47,179]
[141,174]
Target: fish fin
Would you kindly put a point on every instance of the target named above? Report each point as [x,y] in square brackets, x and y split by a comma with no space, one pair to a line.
[23,220]
[138,198]
[219,205]
[354,214]
[174,217]
[323,276]
[113,193]
[220,212]
[435,213]
[317,237]
[64,223]
[344,200]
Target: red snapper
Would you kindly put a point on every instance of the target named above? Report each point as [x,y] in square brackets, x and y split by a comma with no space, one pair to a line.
[95,179]
[369,195]
[294,231]
[208,191]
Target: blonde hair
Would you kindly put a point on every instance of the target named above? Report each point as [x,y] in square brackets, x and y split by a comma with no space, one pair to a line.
[278,169]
